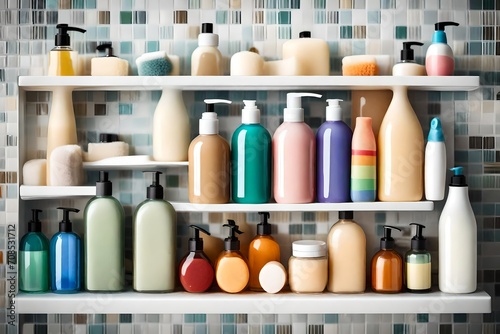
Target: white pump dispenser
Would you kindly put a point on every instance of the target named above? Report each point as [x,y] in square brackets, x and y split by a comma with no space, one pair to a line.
[333,110]
[294,111]
[209,124]
[250,114]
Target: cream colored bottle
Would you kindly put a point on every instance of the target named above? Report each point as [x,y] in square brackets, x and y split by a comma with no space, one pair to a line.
[346,256]
[209,159]
[171,135]
[312,54]
[206,59]
[61,129]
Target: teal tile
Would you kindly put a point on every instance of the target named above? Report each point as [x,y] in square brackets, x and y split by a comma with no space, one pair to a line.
[125,17]
[309,229]
[268,329]
[200,329]
[221,17]
[461,129]
[373,17]
[194,4]
[96,329]
[201,318]
[284,32]
[141,139]
[126,47]
[475,156]
[51,4]
[401,32]
[189,318]
[295,229]
[295,4]
[284,17]
[319,17]
[228,319]
[387,4]
[422,317]
[380,217]
[475,48]
[125,109]
[126,199]
[140,17]
[152,46]
[400,329]
[321,4]
[331,318]
[172,181]
[461,96]
[497,235]
[126,4]
[475,33]
[488,236]
[228,329]
[345,17]
[111,96]
[346,32]
[270,4]
[91,4]
[489,4]
[103,33]
[308,216]
[283,3]
[489,209]
[77,4]
[475,4]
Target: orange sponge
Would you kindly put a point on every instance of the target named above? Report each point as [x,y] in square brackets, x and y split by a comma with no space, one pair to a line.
[360,65]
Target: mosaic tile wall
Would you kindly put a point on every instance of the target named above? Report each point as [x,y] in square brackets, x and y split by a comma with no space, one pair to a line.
[27,28]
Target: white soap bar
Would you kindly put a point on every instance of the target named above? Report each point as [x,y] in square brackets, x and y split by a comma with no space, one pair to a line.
[281,67]
[247,63]
[35,172]
[98,151]
[66,166]
[272,277]
[109,66]
[312,54]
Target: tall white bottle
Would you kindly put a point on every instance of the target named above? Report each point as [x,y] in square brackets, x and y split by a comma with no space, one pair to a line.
[457,239]
[435,163]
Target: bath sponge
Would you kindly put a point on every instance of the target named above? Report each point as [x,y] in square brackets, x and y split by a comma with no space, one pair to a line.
[34,172]
[66,166]
[154,64]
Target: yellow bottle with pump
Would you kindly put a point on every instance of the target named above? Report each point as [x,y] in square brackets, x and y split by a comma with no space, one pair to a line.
[63,60]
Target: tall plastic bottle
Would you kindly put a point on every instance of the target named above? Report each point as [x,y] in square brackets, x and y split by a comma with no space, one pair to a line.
[251,158]
[418,263]
[457,239]
[206,58]
[154,242]
[34,257]
[171,134]
[346,256]
[363,162]
[435,162]
[104,219]
[439,58]
[262,250]
[294,155]
[65,257]
[62,59]
[387,265]
[333,145]
[400,152]
[209,161]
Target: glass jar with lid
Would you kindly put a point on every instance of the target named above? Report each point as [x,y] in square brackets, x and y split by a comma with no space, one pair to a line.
[308,266]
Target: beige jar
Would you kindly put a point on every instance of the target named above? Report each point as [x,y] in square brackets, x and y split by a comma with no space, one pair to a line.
[308,266]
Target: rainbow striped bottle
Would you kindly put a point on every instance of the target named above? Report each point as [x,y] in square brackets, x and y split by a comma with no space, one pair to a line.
[363,162]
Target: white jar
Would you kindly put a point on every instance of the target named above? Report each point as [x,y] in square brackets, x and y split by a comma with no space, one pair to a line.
[308,266]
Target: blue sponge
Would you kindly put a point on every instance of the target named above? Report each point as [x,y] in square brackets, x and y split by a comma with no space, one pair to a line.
[154,64]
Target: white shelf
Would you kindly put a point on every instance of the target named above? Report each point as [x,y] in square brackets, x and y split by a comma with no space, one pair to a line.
[131,162]
[253,303]
[28,193]
[213,83]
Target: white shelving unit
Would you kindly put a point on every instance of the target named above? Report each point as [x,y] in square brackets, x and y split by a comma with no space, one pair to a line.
[131,162]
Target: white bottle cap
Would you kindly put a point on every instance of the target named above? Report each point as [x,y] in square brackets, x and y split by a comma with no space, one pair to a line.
[250,114]
[272,277]
[294,111]
[309,248]
[207,39]
[333,110]
[209,124]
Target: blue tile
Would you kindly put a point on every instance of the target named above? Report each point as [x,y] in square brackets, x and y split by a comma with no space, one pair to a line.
[346,32]
[228,318]
[96,329]
[331,318]
[126,47]
[345,17]
[475,48]
[221,17]
[319,4]
[228,329]
[373,17]
[309,229]
[200,329]
[268,329]
[125,109]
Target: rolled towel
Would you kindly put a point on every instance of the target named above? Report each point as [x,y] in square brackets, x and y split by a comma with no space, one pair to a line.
[35,172]
[66,166]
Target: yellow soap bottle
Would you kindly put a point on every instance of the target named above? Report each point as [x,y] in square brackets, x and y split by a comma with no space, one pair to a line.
[63,60]
[231,269]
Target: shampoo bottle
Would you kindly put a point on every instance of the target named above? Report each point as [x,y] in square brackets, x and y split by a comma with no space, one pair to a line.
[333,144]
[435,162]
[439,58]
[209,159]
[387,265]
[408,66]
[457,239]
[363,162]
[65,257]
[154,242]
[262,250]
[400,152]
[251,158]
[104,234]
[196,273]
[171,134]
[231,269]
[62,59]
[312,54]
[294,155]
[346,256]
[34,257]
[418,263]
[206,58]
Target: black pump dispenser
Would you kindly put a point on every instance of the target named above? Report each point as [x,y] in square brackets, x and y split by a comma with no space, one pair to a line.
[207,28]
[62,37]
[305,34]
[407,54]
[387,242]
[107,48]
[231,243]
[155,190]
[264,228]
[418,240]
[196,243]
[65,225]
[458,178]
[442,25]
[104,187]
[108,137]
[346,215]
[35,225]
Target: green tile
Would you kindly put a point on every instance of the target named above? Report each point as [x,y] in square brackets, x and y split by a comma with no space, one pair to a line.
[228,329]
[125,17]
[489,4]
[346,32]
[172,181]
[126,47]
[373,17]
[309,229]
[221,17]
[401,32]
[319,4]
[125,109]
[284,17]
[201,318]
[111,96]
[422,317]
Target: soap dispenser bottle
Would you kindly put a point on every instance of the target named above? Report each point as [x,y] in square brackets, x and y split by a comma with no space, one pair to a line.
[408,66]
[457,239]
[62,59]
[109,65]
[439,58]
[209,160]
[294,155]
[34,257]
[435,163]
[206,59]
[154,242]
[104,219]
[231,269]
[196,273]
[65,256]
[363,162]
[418,263]
[263,249]
[251,158]
[387,265]
[333,145]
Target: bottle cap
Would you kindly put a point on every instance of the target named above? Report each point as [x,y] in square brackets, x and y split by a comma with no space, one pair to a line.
[107,48]
[436,131]
[207,37]
[35,225]
[196,243]
[250,114]
[418,240]
[264,228]
[439,35]
[231,242]
[458,179]
[65,224]
[309,248]
[305,34]
[346,215]
[155,190]
[104,187]
[387,242]
[108,137]
[208,123]
[333,110]
[407,53]
[294,111]
[62,37]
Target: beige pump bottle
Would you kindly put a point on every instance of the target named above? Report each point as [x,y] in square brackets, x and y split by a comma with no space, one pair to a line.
[206,58]
[346,256]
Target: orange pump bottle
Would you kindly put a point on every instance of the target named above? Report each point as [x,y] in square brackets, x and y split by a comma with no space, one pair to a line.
[262,249]
[387,265]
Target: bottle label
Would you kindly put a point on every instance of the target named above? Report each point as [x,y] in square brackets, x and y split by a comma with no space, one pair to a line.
[363,175]
[418,276]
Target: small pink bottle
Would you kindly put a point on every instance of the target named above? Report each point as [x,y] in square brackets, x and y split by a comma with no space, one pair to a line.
[439,58]
[294,155]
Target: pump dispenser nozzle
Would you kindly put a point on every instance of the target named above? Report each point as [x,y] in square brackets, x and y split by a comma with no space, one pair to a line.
[264,228]
[439,35]
[209,124]
[407,54]
[155,190]
[458,179]
[65,224]
[196,243]
[305,34]
[333,110]
[107,48]
[104,187]
[35,225]
[232,242]
[387,242]
[436,131]
[62,37]
[418,240]
[294,111]
[250,114]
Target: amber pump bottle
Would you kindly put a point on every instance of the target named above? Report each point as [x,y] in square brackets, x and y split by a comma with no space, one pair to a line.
[387,265]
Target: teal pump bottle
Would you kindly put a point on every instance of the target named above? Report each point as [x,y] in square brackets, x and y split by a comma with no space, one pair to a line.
[251,158]
[34,258]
